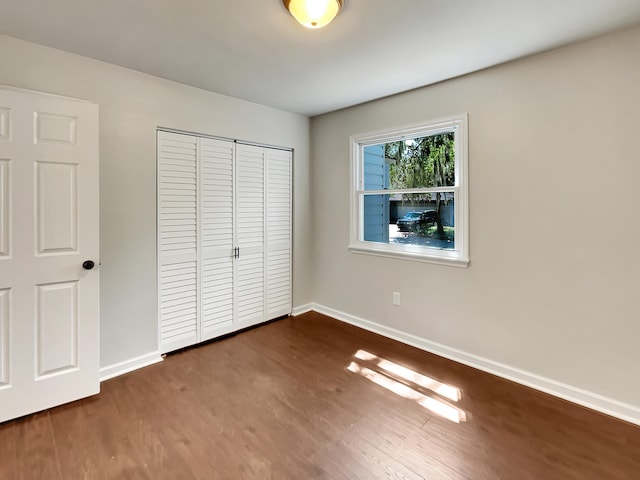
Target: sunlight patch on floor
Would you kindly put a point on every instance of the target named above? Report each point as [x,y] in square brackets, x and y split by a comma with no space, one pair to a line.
[452,393]
[405,382]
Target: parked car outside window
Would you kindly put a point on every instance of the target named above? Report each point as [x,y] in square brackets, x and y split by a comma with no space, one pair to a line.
[412,222]
[428,217]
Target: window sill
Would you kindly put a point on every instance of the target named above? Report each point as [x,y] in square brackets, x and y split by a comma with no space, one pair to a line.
[443,258]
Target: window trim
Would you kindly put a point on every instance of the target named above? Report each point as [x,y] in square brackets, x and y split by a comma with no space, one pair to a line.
[458,257]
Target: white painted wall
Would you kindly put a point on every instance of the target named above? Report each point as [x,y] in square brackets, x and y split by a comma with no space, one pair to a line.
[552,288]
[132,105]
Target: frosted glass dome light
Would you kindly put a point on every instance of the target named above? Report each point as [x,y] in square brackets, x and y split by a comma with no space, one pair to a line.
[313,13]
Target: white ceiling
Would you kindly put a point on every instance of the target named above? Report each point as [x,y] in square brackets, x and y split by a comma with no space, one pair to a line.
[253,49]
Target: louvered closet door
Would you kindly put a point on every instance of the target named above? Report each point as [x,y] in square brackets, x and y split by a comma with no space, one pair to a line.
[250,230]
[177,240]
[278,278]
[216,214]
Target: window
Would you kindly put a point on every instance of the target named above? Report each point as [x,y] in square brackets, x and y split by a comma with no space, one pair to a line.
[410,192]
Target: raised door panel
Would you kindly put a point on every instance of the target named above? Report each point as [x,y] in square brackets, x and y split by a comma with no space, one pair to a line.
[56,208]
[250,231]
[278,233]
[56,328]
[5,337]
[177,240]
[5,208]
[216,217]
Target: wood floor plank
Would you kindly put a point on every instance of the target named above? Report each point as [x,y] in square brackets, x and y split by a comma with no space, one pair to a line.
[36,450]
[8,466]
[279,402]
[148,429]
[93,443]
[175,434]
[403,442]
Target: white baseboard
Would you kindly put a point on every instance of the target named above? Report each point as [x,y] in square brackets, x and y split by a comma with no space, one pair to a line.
[299,310]
[594,401]
[129,365]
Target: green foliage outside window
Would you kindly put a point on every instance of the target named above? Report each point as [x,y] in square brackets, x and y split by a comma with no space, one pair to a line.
[423,162]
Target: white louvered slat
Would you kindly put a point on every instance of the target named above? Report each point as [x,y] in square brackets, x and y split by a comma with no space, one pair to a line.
[250,230]
[177,240]
[278,234]
[250,289]
[178,304]
[216,215]
[250,195]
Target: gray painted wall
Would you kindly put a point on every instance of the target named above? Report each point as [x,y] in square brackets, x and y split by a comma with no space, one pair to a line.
[553,295]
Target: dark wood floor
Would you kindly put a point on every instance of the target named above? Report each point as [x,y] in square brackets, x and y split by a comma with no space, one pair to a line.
[279,402]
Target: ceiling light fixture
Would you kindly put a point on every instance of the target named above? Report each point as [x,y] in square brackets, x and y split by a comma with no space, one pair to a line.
[313,13]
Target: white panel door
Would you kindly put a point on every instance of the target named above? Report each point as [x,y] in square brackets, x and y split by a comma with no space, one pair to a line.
[250,231]
[216,229]
[177,240]
[49,303]
[278,235]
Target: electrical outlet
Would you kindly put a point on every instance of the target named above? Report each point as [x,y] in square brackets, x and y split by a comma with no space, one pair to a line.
[396,298]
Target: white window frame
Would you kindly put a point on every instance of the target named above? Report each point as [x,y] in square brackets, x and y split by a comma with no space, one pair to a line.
[459,256]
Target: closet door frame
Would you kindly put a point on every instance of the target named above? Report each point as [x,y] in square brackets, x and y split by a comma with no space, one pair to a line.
[236,325]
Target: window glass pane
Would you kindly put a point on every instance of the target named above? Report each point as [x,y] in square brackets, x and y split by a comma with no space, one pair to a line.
[424,219]
[422,162]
